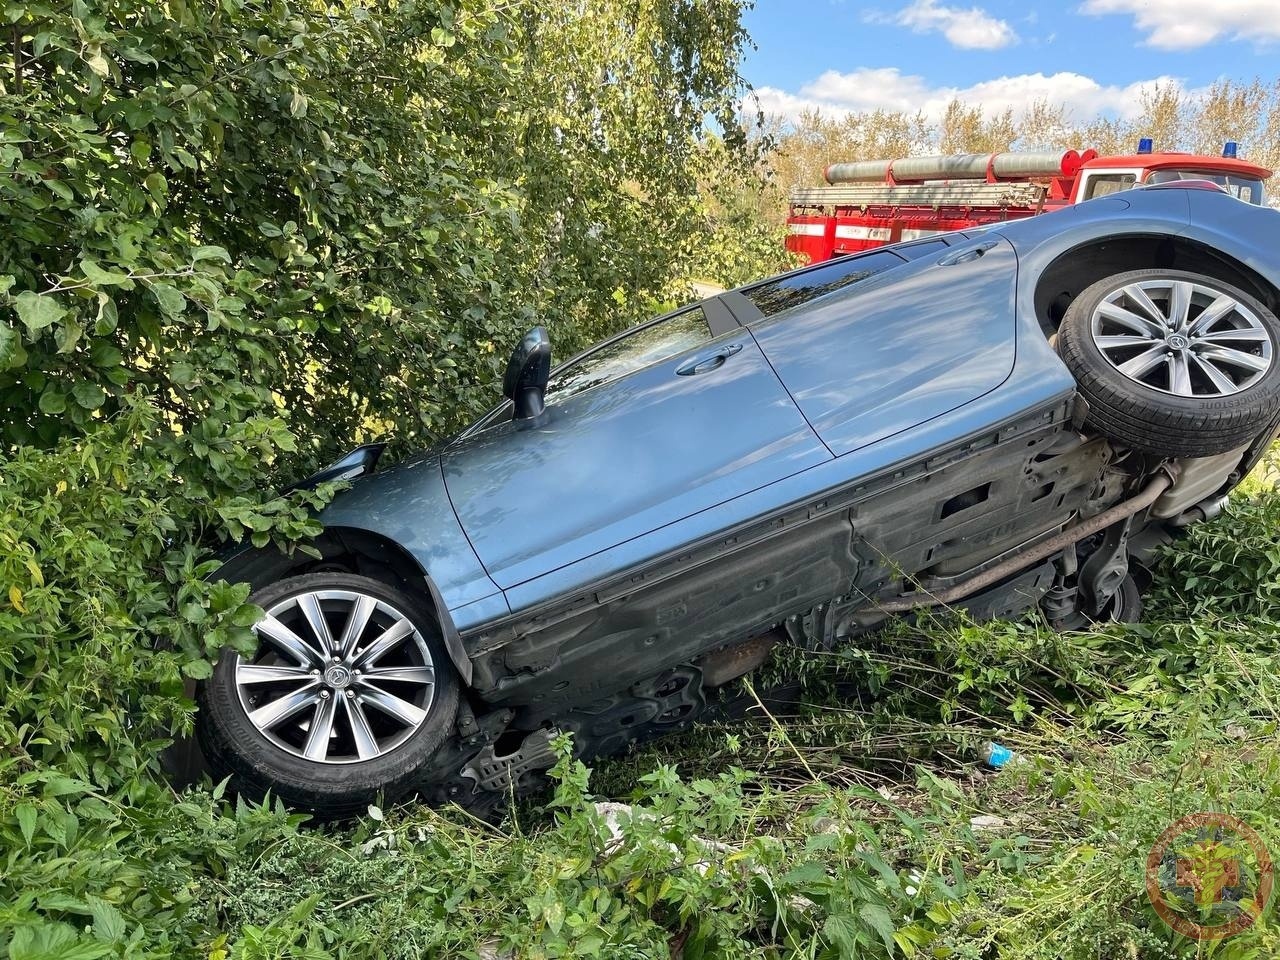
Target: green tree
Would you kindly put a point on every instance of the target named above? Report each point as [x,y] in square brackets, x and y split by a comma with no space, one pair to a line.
[334,213]
[239,237]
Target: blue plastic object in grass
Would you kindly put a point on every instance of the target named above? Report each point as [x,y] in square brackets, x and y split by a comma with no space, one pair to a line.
[997,754]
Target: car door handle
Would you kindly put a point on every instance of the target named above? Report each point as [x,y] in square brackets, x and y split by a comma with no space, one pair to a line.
[706,362]
[967,254]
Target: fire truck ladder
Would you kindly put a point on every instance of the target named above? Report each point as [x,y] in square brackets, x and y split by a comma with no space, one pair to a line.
[934,195]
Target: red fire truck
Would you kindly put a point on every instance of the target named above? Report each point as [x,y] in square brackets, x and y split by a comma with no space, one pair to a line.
[870,203]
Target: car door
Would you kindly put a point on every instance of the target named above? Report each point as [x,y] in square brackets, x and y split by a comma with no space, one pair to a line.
[893,344]
[649,428]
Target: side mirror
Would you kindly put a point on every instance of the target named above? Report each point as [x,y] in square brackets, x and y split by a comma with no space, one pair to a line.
[357,463]
[527,373]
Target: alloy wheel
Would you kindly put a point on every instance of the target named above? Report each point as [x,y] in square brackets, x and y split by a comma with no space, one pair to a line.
[1182,338]
[339,677]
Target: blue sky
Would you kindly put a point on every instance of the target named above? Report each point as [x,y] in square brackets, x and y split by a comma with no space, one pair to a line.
[1093,55]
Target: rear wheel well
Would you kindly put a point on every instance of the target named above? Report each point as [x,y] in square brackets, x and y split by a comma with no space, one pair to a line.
[1077,269]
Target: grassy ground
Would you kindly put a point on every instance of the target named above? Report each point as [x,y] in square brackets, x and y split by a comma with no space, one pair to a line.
[852,819]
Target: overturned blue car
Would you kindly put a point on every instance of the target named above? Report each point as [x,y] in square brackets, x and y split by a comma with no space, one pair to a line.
[1003,421]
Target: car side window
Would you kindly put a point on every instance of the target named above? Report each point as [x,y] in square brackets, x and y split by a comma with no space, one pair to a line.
[797,288]
[920,248]
[1104,184]
[638,348]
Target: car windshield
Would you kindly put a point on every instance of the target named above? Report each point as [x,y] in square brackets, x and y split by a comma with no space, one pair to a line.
[1248,189]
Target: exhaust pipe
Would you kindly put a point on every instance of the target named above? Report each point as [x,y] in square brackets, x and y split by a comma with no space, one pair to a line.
[1206,510]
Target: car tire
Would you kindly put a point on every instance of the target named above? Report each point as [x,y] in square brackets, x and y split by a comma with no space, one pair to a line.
[1173,363]
[1125,606]
[385,691]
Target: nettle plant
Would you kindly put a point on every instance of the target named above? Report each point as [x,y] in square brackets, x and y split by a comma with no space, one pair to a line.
[718,867]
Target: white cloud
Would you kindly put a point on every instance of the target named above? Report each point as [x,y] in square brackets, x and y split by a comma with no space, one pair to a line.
[1186,24]
[971,29]
[862,90]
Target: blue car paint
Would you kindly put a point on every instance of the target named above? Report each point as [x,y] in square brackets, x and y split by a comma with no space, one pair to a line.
[1215,225]
[863,363]
[478,613]
[410,505]
[607,466]
[1040,382]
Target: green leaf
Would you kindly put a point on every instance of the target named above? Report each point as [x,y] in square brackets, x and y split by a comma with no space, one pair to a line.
[88,395]
[53,941]
[96,61]
[182,373]
[198,669]
[37,310]
[26,814]
[60,189]
[171,301]
[877,917]
[8,343]
[842,932]
[59,785]
[108,922]
[104,355]
[68,336]
[107,317]
[194,612]
[246,615]
[210,253]
[53,401]
[809,875]
[298,105]
[553,914]
[103,278]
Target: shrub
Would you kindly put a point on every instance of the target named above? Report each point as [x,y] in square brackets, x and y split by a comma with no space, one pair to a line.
[241,237]
[335,214]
